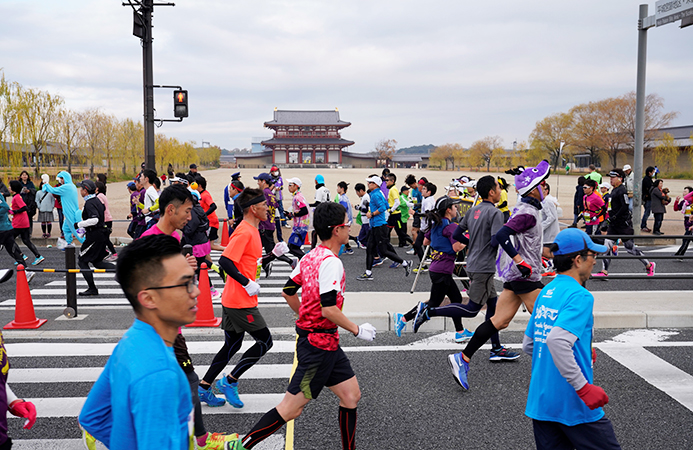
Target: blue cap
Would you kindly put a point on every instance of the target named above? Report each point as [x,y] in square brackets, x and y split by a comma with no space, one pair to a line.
[573,240]
[235,176]
[320,179]
[264,176]
[132,185]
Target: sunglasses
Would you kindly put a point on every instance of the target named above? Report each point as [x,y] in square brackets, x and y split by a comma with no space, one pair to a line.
[346,224]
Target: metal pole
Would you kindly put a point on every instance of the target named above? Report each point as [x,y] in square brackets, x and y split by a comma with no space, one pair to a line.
[148,72]
[71,283]
[639,119]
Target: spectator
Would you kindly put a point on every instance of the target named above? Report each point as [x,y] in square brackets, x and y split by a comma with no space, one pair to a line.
[646,198]
[629,183]
[46,203]
[660,200]
[29,196]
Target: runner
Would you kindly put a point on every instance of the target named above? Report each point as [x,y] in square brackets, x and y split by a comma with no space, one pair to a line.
[416,198]
[564,405]
[147,180]
[378,235]
[620,223]
[482,221]
[428,191]
[518,265]
[20,221]
[321,361]
[301,217]
[142,398]
[67,191]
[394,221]
[108,219]
[267,226]
[241,261]
[343,199]
[322,195]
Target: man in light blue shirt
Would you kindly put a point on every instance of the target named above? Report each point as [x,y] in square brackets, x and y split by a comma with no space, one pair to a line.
[142,399]
[563,403]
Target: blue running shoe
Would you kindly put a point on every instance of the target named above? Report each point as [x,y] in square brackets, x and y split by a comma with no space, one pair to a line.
[460,368]
[503,354]
[464,336]
[378,261]
[394,265]
[230,391]
[421,315]
[207,396]
[400,324]
[38,261]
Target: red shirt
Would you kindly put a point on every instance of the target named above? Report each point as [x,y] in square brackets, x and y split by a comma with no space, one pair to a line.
[206,201]
[20,220]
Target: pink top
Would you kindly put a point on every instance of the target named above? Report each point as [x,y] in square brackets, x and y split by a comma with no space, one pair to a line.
[156,230]
[20,220]
[107,217]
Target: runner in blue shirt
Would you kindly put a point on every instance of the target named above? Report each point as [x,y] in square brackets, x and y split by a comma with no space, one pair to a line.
[564,405]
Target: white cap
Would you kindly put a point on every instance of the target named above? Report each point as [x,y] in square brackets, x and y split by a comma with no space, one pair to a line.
[470,184]
[627,167]
[605,185]
[375,180]
[296,181]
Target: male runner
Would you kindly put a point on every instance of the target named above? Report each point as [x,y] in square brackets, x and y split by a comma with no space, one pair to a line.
[321,361]
[428,192]
[378,236]
[93,249]
[416,199]
[147,179]
[564,405]
[482,221]
[142,399]
[620,223]
[241,260]
[518,265]
[301,216]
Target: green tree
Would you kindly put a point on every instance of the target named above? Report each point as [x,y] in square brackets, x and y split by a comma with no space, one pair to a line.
[666,152]
[38,112]
[70,135]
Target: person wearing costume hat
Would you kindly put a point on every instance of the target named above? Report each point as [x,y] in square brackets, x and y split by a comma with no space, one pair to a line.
[517,265]
[322,194]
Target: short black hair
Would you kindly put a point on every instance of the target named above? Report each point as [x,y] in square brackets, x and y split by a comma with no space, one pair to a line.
[150,175]
[385,171]
[176,194]
[359,187]
[101,187]
[326,216]
[548,187]
[649,170]
[343,185]
[181,175]
[202,182]
[102,178]
[238,185]
[140,264]
[411,179]
[485,185]
[404,188]
[15,186]
[563,263]
[157,183]
[247,195]
[581,181]
[430,187]
[392,177]
[591,183]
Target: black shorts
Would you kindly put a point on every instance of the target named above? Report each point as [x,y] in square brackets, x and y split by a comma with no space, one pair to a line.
[416,223]
[213,234]
[93,248]
[318,368]
[240,320]
[523,287]
[395,221]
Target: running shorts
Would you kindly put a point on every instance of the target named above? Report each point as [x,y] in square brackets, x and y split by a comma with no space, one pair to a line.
[318,368]
[242,319]
[213,234]
[482,286]
[522,286]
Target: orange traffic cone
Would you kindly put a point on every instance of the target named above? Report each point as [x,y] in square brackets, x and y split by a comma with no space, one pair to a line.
[307,240]
[205,309]
[24,315]
[225,233]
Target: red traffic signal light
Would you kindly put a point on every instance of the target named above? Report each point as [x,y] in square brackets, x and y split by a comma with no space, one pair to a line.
[180,103]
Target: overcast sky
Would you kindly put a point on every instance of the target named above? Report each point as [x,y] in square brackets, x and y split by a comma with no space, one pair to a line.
[419,72]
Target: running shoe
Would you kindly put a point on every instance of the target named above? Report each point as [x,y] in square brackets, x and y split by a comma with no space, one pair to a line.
[615,250]
[112,257]
[268,269]
[89,440]
[25,257]
[464,336]
[400,324]
[233,445]
[417,270]
[421,315]
[408,267]
[651,270]
[548,274]
[460,369]
[216,295]
[365,277]
[600,274]
[217,441]
[30,277]
[378,261]
[394,265]
[207,396]
[411,251]
[89,293]
[230,391]
[503,354]
[38,261]
[349,251]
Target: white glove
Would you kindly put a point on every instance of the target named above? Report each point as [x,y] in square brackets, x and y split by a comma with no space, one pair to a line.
[366,332]
[252,288]
[280,249]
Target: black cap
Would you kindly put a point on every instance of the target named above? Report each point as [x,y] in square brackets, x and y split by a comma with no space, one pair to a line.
[89,185]
[193,166]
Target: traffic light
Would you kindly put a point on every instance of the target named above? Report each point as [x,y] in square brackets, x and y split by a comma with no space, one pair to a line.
[180,103]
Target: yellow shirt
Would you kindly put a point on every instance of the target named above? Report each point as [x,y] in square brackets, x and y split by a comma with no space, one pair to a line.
[504,198]
[391,197]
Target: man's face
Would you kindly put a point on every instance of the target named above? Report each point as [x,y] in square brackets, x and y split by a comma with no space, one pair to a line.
[83,192]
[628,171]
[389,183]
[495,193]
[360,193]
[372,185]
[585,264]
[342,233]
[615,181]
[260,210]
[293,188]
[175,306]
[262,184]
[424,191]
[193,170]
[180,214]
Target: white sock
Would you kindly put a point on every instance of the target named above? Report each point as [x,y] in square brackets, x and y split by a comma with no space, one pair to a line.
[405,264]
[369,272]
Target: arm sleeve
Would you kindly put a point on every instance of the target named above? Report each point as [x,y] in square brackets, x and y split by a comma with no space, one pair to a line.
[328,299]
[395,205]
[20,210]
[502,204]
[11,396]
[528,345]
[232,271]
[502,238]
[459,236]
[302,212]
[212,208]
[88,222]
[291,287]
[560,343]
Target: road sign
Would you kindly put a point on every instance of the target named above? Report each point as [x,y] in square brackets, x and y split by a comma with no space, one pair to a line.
[668,11]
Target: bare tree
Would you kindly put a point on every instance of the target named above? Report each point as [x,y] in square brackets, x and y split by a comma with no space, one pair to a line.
[70,135]
[385,150]
[549,133]
[38,111]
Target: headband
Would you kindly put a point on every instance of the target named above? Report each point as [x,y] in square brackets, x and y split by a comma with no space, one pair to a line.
[253,201]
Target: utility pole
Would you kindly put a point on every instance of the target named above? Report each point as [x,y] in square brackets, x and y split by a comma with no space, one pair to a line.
[148,79]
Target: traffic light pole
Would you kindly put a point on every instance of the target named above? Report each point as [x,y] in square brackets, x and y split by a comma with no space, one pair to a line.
[148,73]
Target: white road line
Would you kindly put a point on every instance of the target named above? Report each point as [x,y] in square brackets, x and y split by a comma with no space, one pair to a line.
[664,376]
[274,442]
[90,374]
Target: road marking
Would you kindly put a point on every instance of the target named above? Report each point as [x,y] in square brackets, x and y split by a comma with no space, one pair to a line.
[274,442]
[99,283]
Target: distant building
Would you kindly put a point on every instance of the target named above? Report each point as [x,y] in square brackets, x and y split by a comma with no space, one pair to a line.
[256,145]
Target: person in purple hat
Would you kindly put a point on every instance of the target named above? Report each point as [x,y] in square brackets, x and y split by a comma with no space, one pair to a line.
[518,265]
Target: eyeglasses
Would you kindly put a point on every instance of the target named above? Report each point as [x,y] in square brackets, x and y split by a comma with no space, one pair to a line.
[190,285]
[588,254]
[346,224]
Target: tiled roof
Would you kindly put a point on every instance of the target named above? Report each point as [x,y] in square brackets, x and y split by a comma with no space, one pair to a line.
[307,141]
[307,118]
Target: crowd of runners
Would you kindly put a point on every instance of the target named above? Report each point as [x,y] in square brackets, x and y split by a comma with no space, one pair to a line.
[463,233]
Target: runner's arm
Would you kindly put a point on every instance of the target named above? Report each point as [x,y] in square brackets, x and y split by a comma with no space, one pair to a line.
[212,208]
[335,315]
[302,212]
[528,345]
[231,270]
[560,343]
[290,294]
